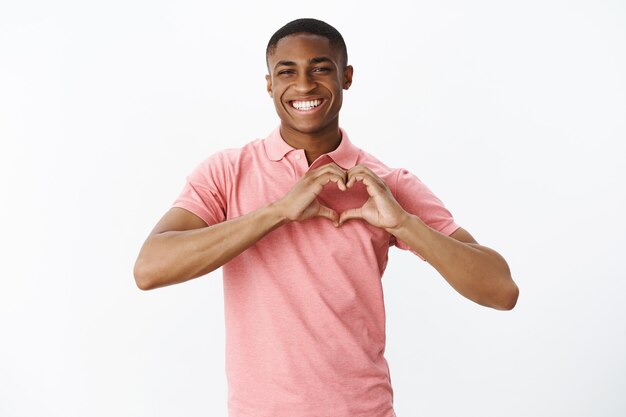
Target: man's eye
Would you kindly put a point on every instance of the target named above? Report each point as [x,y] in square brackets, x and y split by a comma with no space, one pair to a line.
[321,69]
[285,72]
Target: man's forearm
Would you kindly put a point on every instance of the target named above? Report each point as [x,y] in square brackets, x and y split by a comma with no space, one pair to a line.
[173,257]
[475,271]
[180,254]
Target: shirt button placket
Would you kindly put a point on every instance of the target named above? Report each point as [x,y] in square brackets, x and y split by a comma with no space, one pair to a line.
[300,163]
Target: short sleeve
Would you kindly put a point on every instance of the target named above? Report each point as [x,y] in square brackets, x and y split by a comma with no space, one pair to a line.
[416,198]
[204,191]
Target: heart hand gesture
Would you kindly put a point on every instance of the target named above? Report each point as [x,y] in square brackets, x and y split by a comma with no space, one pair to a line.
[380,210]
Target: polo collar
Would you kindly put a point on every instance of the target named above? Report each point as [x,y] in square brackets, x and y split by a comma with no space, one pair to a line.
[345,155]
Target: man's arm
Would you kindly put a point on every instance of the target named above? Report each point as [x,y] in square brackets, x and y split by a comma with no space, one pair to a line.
[182,247]
[475,271]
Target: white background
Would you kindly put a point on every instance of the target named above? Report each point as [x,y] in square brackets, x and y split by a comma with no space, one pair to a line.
[513,113]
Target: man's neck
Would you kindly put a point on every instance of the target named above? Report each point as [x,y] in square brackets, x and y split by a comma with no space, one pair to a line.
[314,144]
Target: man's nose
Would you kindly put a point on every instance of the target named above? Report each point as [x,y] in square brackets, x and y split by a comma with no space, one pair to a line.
[305,82]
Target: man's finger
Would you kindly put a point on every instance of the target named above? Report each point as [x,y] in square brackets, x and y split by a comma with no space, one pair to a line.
[360,168]
[332,167]
[364,174]
[340,182]
[334,177]
[367,179]
[353,178]
[328,213]
[354,213]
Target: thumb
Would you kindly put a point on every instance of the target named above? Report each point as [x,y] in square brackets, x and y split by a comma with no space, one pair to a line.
[330,214]
[353,213]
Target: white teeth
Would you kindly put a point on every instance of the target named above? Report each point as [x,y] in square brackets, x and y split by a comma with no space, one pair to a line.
[306,105]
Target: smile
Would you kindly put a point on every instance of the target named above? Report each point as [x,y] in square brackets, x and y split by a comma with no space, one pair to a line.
[306,105]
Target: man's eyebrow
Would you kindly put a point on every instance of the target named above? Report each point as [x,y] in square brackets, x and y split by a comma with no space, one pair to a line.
[315,60]
[319,59]
[285,63]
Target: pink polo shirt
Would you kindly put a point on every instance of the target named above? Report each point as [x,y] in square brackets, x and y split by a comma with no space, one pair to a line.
[304,307]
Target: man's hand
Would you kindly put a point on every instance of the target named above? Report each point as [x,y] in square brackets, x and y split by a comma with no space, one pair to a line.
[301,203]
[381,209]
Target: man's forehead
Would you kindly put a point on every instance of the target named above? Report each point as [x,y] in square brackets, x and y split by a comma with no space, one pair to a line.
[303,46]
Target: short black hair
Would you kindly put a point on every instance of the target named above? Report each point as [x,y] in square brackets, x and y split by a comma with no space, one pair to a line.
[312,26]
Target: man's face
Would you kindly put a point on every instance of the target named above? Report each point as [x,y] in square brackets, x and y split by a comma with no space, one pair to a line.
[306,81]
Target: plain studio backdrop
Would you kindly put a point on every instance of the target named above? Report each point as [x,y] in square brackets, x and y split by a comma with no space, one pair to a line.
[513,113]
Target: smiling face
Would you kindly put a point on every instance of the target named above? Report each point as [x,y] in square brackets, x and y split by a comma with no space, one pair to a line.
[306,81]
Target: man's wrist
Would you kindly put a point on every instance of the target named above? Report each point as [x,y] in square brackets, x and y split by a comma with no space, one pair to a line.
[276,213]
[405,219]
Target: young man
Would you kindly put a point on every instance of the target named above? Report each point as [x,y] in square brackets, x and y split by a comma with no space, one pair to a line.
[301,222]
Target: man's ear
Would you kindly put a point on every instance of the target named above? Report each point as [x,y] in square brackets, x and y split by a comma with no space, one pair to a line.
[268,78]
[347,77]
